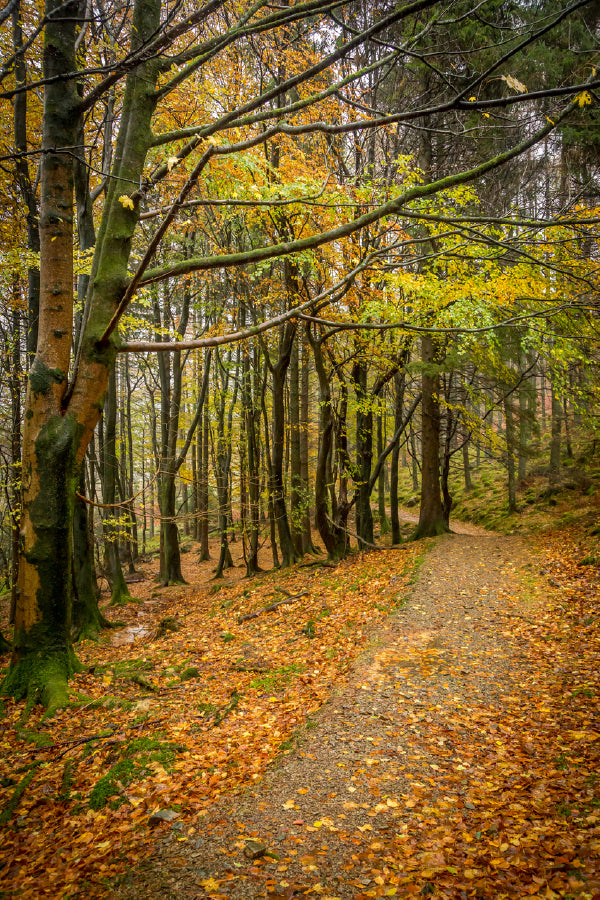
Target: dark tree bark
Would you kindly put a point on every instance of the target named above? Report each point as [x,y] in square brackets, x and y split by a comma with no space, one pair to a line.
[307,543]
[119,590]
[88,620]
[555,434]
[278,380]
[333,533]
[252,403]
[432,520]
[510,455]
[399,382]
[223,453]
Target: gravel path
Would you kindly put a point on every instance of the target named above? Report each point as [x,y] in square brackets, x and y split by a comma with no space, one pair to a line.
[380,755]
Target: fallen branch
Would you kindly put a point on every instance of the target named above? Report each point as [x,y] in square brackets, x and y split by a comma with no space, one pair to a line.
[74,741]
[271,607]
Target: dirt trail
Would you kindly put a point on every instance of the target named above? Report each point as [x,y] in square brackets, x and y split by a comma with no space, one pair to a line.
[347,813]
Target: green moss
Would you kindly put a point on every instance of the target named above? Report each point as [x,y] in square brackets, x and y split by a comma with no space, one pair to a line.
[39,738]
[67,779]
[123,773]
[41,378]
[134,765]
[41,678]
[189,673]
[13,802]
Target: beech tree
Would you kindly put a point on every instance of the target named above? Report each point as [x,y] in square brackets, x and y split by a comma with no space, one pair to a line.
[170,49]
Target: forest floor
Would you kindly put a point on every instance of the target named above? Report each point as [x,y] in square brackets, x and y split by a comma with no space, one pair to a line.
[422,721]
[459,760]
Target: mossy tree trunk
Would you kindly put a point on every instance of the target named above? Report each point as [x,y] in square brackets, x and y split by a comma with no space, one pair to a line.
[42,654]
[60,418]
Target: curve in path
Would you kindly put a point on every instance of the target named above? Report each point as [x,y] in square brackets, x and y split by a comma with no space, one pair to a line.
[383,795]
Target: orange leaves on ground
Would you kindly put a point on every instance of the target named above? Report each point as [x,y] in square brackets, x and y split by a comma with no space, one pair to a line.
[228,698]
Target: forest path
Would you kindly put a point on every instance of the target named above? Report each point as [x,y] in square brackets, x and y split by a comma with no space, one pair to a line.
[421,777]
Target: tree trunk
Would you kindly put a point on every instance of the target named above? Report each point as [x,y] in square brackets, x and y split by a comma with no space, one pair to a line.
[333,536]
[466,463]
[43,658]
[88,621]
[15,455]
[432,520]
[119,590]
[252,408]
[307,543]
[203,488]
[383,521]
[26,187]
[510,455]
[364,455]
[399,382]
[278,373]
[297,499]
[555,435]
[445,473]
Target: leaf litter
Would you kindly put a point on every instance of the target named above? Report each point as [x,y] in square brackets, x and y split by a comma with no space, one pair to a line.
[457,758]
[169,719]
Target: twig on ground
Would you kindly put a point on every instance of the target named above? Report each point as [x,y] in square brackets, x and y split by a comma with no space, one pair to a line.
[271,607]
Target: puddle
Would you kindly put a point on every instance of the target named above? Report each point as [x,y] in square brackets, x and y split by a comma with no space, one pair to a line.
[129,635]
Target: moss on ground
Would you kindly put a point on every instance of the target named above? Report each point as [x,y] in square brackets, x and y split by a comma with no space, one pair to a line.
[133,765]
